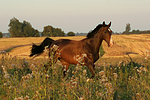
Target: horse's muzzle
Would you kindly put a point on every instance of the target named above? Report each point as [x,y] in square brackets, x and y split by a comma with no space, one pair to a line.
[111,43]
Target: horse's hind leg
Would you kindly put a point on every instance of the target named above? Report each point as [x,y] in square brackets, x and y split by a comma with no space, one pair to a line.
[65,67]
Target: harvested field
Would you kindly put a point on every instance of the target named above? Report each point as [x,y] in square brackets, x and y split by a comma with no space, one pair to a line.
[124,46]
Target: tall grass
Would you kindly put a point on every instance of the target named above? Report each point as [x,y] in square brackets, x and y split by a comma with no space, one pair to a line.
[28,79]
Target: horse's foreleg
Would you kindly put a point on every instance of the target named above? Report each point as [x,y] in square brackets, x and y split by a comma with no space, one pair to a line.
[90,65]
[91,69]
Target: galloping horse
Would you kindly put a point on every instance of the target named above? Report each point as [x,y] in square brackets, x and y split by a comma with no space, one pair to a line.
[85,51]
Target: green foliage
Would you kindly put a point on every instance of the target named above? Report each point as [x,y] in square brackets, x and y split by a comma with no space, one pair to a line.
[70,34]
[20,71]
[50,31]
[127,29]
[18,29]
[1,35]
[135,31]
[101,50]
[125,81]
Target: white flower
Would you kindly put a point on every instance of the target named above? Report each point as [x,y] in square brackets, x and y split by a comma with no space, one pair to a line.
[6,76]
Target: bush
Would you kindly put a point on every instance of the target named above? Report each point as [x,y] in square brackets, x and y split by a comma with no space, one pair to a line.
[1,35]
[70,34]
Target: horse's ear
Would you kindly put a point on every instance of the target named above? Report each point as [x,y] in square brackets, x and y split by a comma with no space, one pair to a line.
[109,24]
[103,23]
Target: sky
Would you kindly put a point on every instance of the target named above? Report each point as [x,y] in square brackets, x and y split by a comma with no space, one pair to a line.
[77,15]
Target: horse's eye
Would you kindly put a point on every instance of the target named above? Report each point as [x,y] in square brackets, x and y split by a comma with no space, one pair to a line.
[105,32]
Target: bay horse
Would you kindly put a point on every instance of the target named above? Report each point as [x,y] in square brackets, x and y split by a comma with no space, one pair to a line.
[85,51]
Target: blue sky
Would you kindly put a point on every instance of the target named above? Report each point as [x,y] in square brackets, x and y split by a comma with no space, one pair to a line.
[77,15]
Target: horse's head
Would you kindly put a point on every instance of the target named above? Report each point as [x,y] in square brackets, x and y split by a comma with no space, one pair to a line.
[35,50]
[107,34]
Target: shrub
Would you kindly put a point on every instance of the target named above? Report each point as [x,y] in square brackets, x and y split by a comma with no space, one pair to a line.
[1,35]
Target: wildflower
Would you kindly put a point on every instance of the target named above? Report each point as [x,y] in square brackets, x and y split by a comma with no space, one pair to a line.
[28,76]
[47,76]
[100,94]
[5,84]
[4,68]
[34,72]
[98,67]
[2,52]
[73,72]
[101,73]
[144,69]
[13,65]
[6,76]
[109,85]
[15,98]
[26,97]
[84,72]
[55,47]
[115,75]
[139,71]
[20,98]
[26,62]
[37,92]
[81,98]
[104,80]
[5,72]
[10,87]
[74,83]
[88,80]
[137,94]
[77,68]
[119,64]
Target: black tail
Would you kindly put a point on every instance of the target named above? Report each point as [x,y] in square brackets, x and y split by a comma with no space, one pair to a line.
[39,49]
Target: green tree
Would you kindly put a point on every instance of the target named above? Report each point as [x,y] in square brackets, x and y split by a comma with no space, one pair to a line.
[18,29]
[1,35]
[50,31]
[127,29]
[15,28]
[70,34]
[135,31]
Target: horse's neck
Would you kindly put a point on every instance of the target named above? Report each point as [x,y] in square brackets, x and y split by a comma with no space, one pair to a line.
[96,42]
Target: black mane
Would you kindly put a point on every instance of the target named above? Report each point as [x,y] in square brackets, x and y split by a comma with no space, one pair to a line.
[93,32]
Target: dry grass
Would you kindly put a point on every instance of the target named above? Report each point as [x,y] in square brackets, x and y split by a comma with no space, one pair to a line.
[23,45]
[132,45]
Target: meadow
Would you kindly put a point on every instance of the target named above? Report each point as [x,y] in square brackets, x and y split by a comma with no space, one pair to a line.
[122,73]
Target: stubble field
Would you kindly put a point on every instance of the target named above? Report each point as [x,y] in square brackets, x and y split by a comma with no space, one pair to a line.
[135,46]
[122,73]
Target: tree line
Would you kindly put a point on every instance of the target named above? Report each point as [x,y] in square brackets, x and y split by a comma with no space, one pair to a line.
[21,29]
[25,29]
[128,30]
